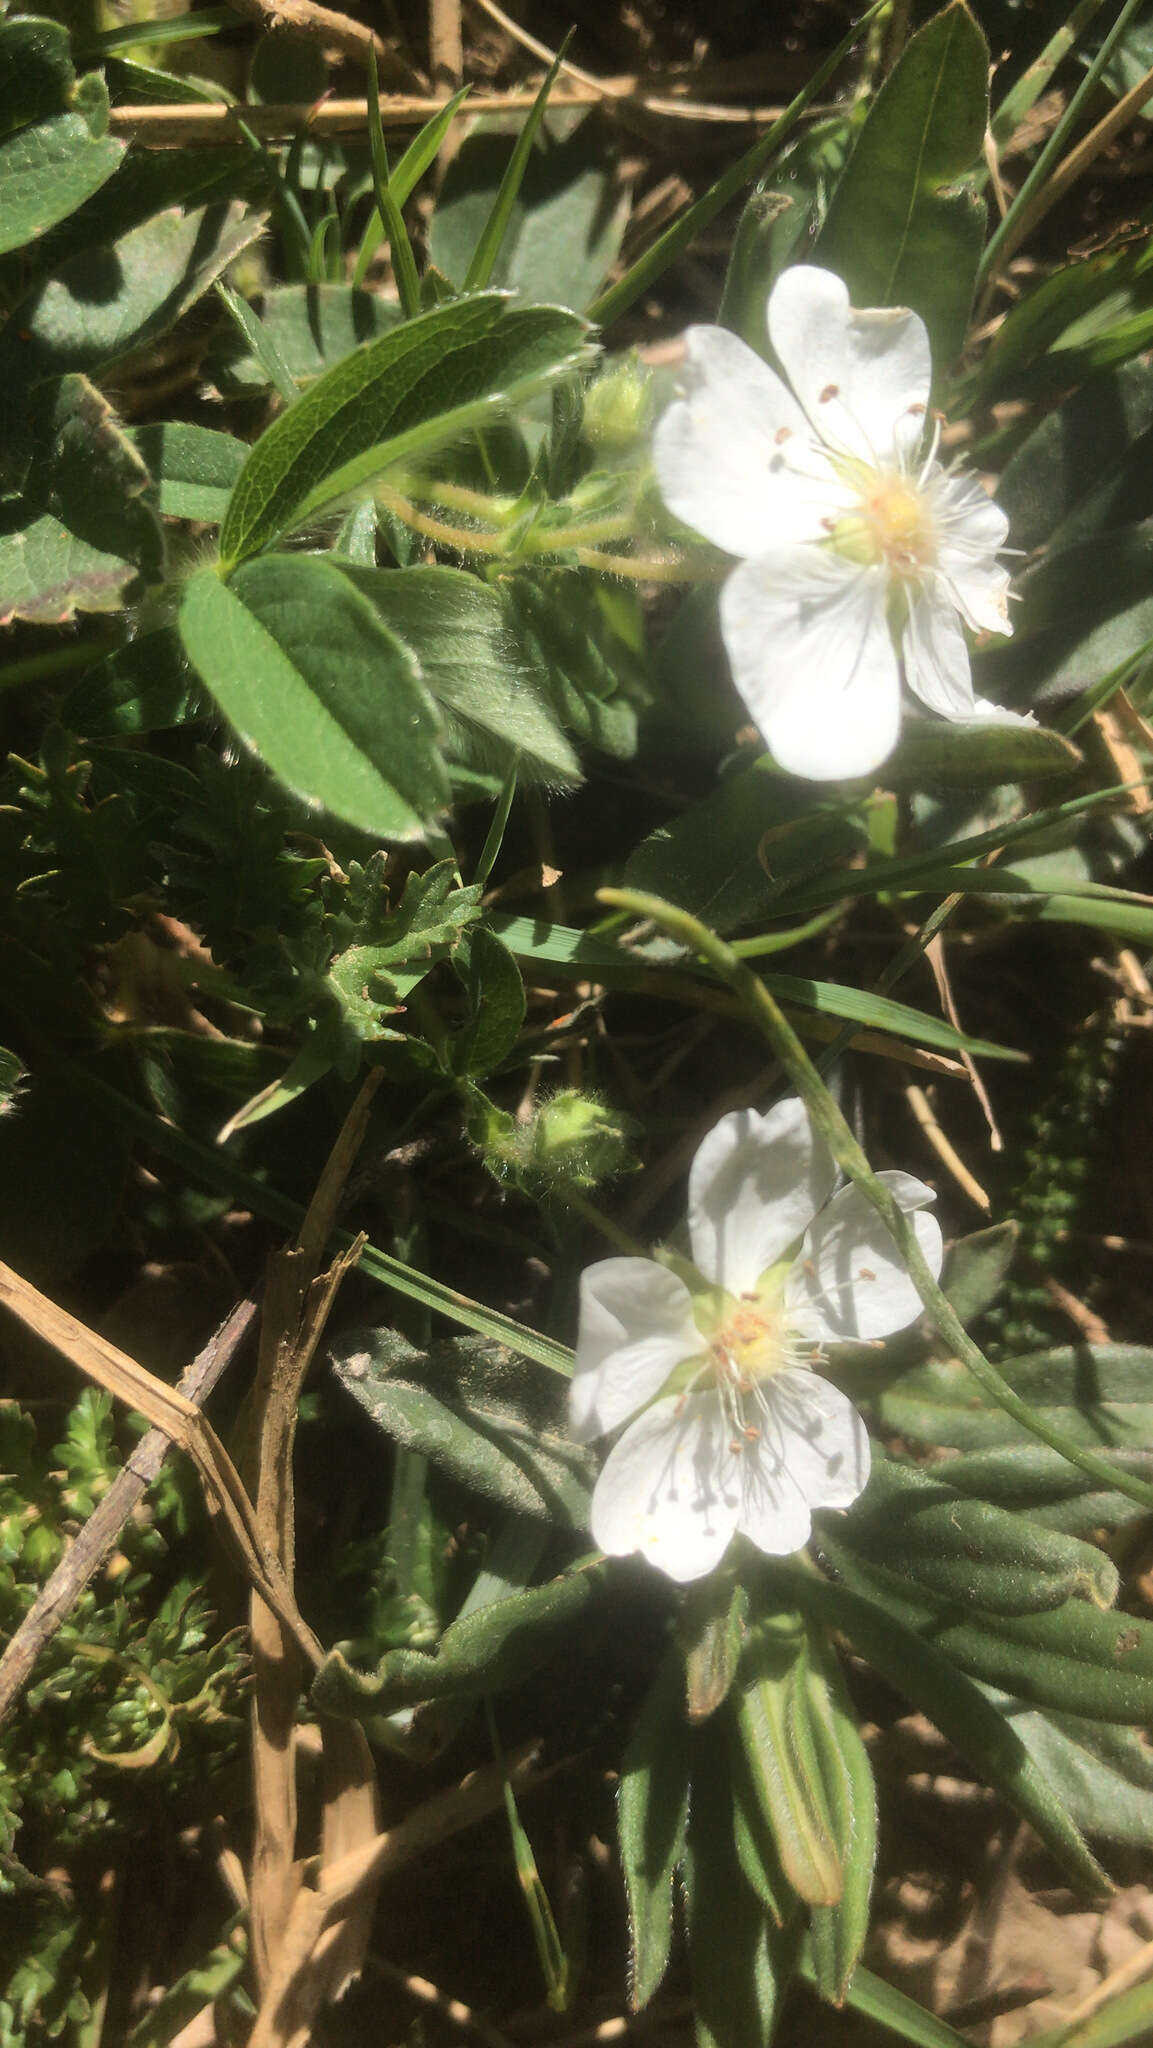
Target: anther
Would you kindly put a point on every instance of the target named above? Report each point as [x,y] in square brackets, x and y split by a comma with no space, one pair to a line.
[830,391]
[865,1273]
[784,434]
[752,1434]
[917,409]
[830,525]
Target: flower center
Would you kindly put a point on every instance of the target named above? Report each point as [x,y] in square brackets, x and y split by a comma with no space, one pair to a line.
[891,524]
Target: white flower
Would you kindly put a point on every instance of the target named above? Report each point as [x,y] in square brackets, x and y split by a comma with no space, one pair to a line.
[861,554]
[735,1430]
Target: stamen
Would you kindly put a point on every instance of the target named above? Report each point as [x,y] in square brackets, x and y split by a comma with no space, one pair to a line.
[830,391]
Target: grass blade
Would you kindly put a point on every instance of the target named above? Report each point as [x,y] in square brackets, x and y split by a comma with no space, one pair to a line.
[676,237]
[420,153]
[496,226]
[387,204]
[1033,81]
[259,341]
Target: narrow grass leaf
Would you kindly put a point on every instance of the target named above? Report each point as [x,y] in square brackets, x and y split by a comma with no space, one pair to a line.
[496,227]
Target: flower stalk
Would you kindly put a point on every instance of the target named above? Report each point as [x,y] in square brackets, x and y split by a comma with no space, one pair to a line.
[829,1123]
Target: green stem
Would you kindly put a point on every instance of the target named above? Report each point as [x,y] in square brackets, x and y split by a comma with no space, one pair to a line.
[827,1120]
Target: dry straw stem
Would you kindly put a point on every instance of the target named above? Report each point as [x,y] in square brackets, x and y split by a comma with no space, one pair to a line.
[295,1994]
[162,127]
[184,1425]
[297,1301]
[83,1559]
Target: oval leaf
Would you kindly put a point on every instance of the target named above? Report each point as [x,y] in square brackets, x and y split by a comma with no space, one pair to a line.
[332,702]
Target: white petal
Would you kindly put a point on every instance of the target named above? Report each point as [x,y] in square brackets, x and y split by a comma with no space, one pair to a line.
[863,378]
[636,1327]
[999,714]
[850,1281]
[670,1488]
[936,656]
[807,634]
[820,1439]
[754,1187]
[719,462]
[969,530]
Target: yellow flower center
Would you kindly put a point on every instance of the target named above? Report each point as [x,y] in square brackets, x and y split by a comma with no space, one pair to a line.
[747,1347]
[892,524]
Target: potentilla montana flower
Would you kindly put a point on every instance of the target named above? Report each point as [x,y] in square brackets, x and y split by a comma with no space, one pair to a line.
[862,556]
[735,1430]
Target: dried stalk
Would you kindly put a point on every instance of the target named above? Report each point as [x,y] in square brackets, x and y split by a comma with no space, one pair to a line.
[82,1561]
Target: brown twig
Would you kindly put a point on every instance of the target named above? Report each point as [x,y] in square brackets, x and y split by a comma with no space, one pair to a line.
[82,1561]
[164,126]
[298,1297]
[183,1422]
[323,24]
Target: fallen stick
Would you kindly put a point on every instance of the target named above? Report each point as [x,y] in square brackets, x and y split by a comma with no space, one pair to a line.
[55,1600]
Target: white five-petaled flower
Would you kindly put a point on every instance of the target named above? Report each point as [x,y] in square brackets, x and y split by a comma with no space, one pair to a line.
[862,555]
[735,1431]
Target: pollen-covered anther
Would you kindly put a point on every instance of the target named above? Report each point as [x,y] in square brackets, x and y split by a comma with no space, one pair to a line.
[830,392]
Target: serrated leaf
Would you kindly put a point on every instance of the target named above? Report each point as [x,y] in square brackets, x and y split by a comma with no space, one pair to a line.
[384,948]
[463,636]
[331,701]
[194,468]
[477,1412]
[485,1651]
[85,530]
[921,1529]
[901,229]
[434,377]
[653,1808]
[985,753]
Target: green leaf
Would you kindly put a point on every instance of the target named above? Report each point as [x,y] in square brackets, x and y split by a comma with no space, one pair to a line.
[983,754]
[478,1412]
[1104,1775]
[1086,464]
[778,224]
[495,996]
[254,334]
[384,948]
[109,299]
[304,669]
[1100,1395]
[85,532]
[921,1529]
[902,228]
[741,1964]
[976,1266]
[919,1670]
[653,1810]
[1040,1482]
[488,1650]
[144,687]
[311,327]
[492,235]
[1083,611]
[788,1762]
[50,162]
[567,628]
[890,2008]
[1072,1658]
[1127,2018]
[193,467]
[387,204]
[421,153]
[728,857]
[564,226]
[426,381]
[464,638]
[837,1933]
